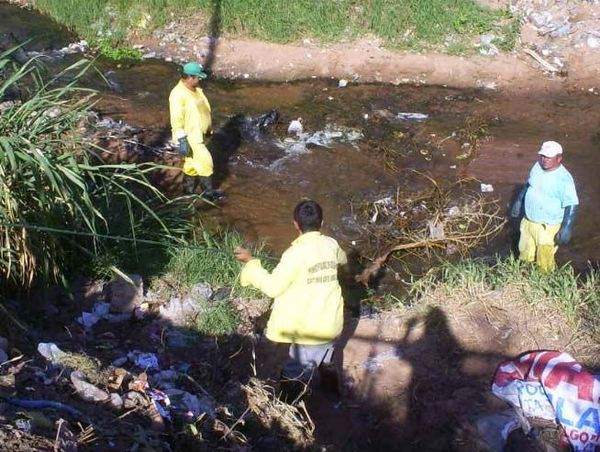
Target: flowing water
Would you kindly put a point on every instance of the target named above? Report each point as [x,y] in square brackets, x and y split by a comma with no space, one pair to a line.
[358,146]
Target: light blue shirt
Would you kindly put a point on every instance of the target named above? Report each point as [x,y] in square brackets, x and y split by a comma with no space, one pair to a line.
[548,194]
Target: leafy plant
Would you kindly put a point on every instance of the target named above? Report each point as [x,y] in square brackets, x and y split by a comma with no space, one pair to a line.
[219,319]
[61,206]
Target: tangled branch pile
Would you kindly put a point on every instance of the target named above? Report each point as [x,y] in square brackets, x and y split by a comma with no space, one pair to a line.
[293,420]
[450,220]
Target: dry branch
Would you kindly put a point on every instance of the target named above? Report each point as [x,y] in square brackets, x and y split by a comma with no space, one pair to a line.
[455,219]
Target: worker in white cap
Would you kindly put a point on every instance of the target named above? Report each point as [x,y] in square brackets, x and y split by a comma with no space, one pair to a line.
[550,203]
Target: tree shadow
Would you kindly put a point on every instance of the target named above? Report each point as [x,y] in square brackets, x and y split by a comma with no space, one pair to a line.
[215,32]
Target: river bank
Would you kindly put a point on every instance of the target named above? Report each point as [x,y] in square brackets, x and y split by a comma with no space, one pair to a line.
[557,49]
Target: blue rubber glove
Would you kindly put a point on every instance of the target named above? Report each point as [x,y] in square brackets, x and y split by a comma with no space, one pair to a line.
[563,236]
[517,207]
[184,147]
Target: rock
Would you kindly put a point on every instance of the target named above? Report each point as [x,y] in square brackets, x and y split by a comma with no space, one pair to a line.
[115,401]
[88,391]
[133,399]
[50,351]
[123,296]
[202,291]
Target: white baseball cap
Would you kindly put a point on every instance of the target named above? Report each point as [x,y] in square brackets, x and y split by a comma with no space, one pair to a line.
[550,149]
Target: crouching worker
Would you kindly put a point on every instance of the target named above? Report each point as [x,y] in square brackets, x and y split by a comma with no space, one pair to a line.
[190,122]
[308,308]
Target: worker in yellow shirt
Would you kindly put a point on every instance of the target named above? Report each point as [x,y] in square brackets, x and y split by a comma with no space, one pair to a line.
[308,310]
[190,123]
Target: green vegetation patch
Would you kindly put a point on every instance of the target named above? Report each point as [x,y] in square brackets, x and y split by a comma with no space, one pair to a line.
[209,259]
[577,297]
[448,25]
[63,209]
[218,319]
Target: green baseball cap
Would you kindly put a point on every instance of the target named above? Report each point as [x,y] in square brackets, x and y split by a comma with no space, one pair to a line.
[193,68]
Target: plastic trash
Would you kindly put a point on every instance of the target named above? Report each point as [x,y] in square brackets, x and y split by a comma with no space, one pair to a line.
[412,116]
[342,83]
[50,351]
[147,361]
[161,402]
[487,188]
[296,126]
[23,424]
[375,363]
[593,42]
[551,385]
[494,429]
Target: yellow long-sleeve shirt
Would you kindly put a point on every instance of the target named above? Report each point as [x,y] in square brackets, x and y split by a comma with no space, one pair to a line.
[308,306]
[190,117]
[190,113]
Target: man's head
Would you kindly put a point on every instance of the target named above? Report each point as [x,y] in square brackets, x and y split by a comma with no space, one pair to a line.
[550,155]
[192,73]
[308,216]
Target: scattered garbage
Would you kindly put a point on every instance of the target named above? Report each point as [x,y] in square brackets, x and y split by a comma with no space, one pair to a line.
[551,385]
[342,83]
[487,188]
[375,363]
[296,126]
[147,361]
[323,138]
[412,116]
[494,429]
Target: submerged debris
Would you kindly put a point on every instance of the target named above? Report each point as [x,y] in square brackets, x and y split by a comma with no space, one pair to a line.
[451,220]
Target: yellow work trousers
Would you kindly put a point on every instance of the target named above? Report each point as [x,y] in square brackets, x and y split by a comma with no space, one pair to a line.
[200,163]
[537,243]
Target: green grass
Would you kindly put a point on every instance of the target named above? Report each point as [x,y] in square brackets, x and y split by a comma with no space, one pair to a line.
[209,259]
[63,210]
[446,25]
[218,319]
[576,296]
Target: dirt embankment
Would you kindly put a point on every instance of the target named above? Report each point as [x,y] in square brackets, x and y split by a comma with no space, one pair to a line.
[558,48]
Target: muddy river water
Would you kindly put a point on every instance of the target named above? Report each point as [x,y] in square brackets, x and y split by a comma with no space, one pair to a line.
[358,144]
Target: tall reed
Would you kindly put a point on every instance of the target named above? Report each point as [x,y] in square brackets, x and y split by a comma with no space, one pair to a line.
[61,206]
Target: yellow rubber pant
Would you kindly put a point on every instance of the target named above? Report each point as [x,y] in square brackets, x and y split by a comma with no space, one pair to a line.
[200,163]
[537,243]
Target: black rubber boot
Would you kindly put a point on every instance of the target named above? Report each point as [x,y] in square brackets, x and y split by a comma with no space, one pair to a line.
[328,379]
[208,190]
[189,184]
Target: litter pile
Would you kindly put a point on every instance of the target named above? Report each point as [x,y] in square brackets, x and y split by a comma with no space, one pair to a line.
[448,221]
[132,372]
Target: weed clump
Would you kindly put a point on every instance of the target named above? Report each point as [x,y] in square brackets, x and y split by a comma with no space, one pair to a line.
[218,319]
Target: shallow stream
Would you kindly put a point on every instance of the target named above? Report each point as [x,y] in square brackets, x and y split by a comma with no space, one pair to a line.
[358,144]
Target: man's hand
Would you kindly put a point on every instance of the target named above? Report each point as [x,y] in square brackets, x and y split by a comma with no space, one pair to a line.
[242,254]
[184,147]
